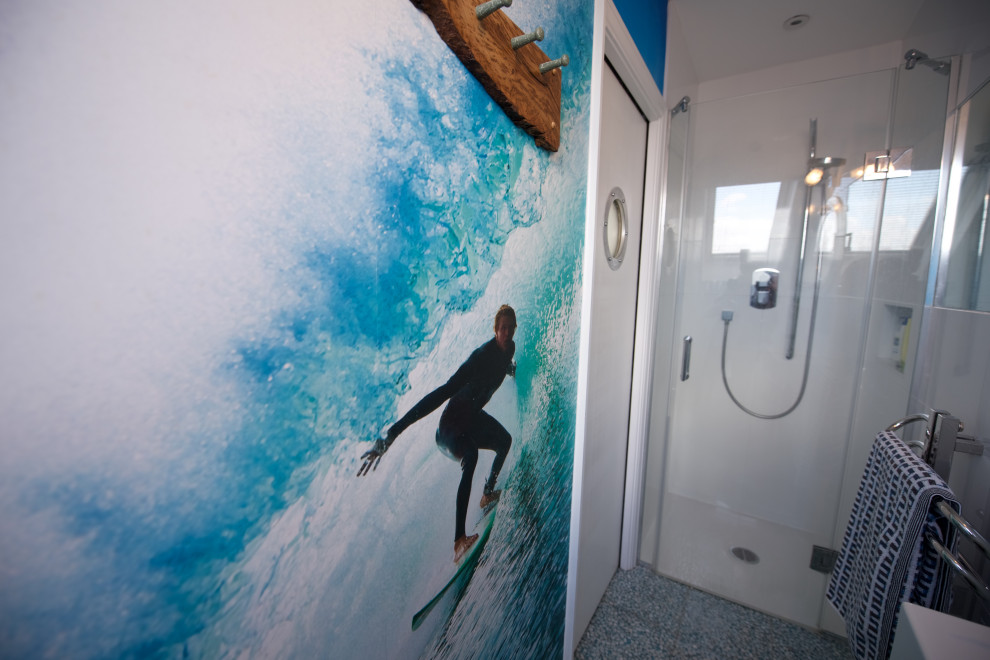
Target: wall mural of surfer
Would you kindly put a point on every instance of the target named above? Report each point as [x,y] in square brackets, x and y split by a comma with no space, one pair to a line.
[464,429]
[242,240]
[464,426]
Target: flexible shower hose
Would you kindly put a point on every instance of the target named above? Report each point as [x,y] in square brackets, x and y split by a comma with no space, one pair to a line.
[807,357]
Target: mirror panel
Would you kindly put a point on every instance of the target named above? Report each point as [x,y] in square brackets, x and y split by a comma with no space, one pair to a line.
[964,274]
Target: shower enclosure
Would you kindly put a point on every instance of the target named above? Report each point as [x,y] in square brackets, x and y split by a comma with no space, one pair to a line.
[749,506]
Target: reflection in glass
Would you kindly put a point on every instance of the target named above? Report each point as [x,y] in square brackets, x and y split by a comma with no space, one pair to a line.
[910,203]
[744,217]
[966,273]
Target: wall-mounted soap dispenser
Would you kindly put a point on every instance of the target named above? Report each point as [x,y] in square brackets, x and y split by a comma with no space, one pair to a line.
[763,293]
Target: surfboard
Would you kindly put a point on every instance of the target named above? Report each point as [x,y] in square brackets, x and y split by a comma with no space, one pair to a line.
[464,569]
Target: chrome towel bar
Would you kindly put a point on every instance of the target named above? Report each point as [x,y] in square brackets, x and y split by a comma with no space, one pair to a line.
[961,566]
[963,526]
[941,440]
[904,421]
[943,437]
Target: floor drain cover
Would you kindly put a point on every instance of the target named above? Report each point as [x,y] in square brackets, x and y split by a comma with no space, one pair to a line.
[746,555]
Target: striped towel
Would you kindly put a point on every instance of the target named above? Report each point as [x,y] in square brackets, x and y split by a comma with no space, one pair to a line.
[884,558]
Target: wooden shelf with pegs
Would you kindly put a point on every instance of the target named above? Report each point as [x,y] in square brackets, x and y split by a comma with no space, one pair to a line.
[512,77]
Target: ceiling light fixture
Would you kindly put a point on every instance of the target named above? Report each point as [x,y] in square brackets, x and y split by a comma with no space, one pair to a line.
[796,21]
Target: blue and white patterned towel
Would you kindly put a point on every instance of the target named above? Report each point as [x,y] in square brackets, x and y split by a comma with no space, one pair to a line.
[884,558]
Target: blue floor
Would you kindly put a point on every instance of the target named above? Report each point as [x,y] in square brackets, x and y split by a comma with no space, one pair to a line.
[644,615]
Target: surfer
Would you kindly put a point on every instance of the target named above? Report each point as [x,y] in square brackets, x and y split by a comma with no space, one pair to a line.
[464,427]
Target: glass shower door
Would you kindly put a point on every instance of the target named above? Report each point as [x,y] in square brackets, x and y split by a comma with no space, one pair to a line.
[664,360]
[744,500]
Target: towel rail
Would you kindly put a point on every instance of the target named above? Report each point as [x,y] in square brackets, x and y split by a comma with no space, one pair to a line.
[961,566]
[942,439]
[904,421]
[963,526]
[919,445]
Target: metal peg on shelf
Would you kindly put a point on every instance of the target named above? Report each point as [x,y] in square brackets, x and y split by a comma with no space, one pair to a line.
[490,7]
[523,39]
[546,67]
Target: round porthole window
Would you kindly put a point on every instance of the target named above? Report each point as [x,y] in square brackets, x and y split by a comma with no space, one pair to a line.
[616,228]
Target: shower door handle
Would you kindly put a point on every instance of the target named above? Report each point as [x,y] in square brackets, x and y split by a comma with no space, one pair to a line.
[686,359]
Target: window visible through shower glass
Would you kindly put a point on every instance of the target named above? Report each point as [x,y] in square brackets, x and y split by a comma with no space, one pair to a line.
[744,214]
[851,213]
[910,204]
[744,217]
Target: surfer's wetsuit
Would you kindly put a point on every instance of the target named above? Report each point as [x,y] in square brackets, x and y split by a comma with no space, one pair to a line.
[464,426]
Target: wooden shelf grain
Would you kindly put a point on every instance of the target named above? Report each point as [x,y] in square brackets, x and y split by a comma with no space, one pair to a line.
[511,77]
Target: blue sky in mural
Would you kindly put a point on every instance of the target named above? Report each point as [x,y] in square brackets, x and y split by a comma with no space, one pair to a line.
[289,227]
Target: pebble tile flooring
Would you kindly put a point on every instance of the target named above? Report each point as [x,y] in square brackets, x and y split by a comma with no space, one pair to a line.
[644,615]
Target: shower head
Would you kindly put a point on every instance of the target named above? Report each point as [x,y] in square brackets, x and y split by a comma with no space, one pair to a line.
[915,56]
[912,57]
[818,166]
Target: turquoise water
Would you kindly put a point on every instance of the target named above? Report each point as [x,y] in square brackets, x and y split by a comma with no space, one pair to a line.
[254,537]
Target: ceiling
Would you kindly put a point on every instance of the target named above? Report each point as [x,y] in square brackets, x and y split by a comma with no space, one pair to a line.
[730,37]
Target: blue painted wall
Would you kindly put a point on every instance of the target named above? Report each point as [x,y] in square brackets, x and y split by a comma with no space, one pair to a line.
[646,21]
